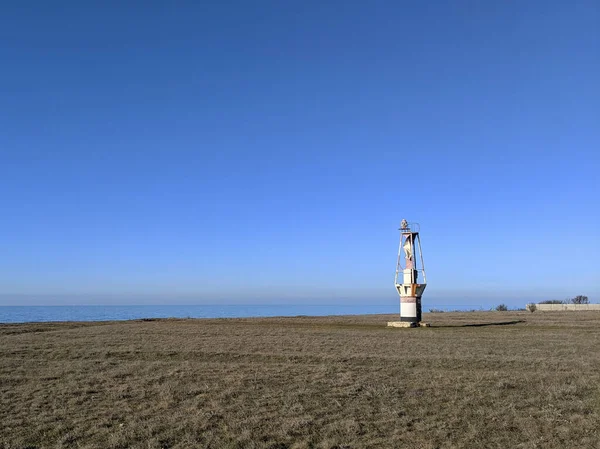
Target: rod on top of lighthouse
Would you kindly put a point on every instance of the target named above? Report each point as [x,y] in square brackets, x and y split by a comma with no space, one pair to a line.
[409,269]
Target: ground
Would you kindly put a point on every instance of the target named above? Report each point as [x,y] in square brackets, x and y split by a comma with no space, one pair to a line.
[472,380]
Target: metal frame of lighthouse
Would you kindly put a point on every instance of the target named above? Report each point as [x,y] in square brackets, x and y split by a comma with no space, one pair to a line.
[409,270]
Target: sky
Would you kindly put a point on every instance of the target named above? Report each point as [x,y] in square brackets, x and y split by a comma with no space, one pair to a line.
[265,152]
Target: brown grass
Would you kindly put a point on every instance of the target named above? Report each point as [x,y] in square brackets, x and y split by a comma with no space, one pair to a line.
[304,382]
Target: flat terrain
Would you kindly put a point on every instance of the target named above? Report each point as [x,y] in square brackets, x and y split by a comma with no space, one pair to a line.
[514,380]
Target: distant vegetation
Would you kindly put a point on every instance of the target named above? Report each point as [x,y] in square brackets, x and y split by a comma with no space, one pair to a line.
[579,299]
[501,308]
[531,307]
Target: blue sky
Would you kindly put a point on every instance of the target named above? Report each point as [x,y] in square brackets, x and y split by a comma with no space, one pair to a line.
[267,151]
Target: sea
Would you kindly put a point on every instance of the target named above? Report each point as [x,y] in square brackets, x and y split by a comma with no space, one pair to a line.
[28,314]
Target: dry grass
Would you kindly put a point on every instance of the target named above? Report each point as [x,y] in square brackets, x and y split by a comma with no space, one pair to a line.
[304,382]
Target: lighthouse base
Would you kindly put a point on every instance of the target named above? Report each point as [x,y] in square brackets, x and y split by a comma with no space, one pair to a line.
[407,324]
[402,324]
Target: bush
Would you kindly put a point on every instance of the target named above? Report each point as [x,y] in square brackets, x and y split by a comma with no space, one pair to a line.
[531,307]
[580,299]
[501,308]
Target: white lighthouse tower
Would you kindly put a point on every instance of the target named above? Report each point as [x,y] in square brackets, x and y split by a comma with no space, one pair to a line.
[410,278]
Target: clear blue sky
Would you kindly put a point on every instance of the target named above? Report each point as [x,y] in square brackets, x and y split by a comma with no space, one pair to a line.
[266,151]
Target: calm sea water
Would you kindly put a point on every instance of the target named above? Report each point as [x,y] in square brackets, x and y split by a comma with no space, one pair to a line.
[25,314]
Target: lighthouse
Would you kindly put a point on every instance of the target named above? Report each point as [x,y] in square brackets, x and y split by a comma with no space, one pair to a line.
[410,280]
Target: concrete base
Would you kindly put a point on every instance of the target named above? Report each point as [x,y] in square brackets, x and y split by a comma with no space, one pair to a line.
[402,324]
[407,324]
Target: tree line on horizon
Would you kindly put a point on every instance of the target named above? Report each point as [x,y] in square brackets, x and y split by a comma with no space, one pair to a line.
[579,299]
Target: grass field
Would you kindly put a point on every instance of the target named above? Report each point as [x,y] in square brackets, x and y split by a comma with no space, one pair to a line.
[519,380]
